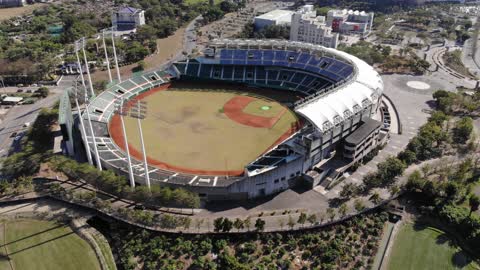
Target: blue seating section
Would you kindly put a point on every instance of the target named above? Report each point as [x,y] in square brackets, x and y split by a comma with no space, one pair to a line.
[285,78]
[327,67]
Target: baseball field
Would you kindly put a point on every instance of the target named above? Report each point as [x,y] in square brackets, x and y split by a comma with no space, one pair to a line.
[206,131]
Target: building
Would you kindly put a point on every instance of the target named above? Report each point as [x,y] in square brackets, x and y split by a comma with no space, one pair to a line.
[275,17]
[128,19]
[12,3]
[350,22]
[306,26]
[11,100]
[338,95]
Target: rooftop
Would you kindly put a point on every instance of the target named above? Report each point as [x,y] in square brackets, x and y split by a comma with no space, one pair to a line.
[368,126]
[128,10]
[275,14]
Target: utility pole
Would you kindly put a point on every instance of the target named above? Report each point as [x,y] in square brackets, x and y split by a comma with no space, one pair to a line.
[139,111]
[106,56]
[121,111]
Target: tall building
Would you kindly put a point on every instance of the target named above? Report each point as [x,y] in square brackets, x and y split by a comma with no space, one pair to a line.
[350,22]
[128,18]
[306,26]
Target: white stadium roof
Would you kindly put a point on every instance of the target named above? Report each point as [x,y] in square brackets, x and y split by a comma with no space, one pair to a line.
[366,85]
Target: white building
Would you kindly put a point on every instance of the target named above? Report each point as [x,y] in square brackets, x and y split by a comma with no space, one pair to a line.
[128,19]
[350,22]
[275,17]
[306,26]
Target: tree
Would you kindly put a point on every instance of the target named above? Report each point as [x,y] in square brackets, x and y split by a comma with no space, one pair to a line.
[260,224]
[218,224]
[415,181]
[389,169]
[247,222]
[451,190]
[227,225]
[371,180]
[302,218]
[290,222]
[358,204]
[463,129]
[474,203]
[342,210]
[281,223]
[349,190]
[312,219]
[238,224]
[375,198]
[330,213]
[407,156]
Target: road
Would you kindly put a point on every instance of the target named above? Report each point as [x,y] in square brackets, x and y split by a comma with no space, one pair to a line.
[19,115]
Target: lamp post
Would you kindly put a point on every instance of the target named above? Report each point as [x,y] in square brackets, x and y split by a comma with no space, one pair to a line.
[139,111]
[121,111]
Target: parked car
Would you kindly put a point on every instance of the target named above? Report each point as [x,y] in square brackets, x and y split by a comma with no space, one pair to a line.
[34,85]
[27,124]
[13,134]
[19,90]
[29,91]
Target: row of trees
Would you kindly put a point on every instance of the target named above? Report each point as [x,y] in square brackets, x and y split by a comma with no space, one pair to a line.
[110,182]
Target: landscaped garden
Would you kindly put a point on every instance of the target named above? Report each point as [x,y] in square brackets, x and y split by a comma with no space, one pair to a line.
[349,245]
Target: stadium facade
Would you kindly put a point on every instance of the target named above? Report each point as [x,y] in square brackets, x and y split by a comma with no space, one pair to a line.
[339,96]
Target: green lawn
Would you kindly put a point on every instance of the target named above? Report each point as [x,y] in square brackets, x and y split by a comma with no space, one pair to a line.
[424,248]
[46,245]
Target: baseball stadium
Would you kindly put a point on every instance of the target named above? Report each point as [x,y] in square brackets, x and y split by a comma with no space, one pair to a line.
[245,119]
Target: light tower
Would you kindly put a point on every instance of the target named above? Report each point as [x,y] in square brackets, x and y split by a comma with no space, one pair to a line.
[121,111]
[115,54]
[94,140]
[106,56]
[79,63]
[139,111]
[82,126]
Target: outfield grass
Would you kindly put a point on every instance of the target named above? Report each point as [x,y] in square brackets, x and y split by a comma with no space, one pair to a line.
[46,245]
[422,248]
[186,128]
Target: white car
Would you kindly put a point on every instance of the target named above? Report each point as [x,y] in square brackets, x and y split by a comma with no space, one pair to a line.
[27,124]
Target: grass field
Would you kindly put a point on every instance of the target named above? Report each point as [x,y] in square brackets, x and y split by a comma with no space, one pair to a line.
[188,129]
[44,245]
[423,248]
[8,13]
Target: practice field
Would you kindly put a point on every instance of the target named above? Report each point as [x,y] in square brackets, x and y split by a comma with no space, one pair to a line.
[426,248]
[43,245]
[201,131]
